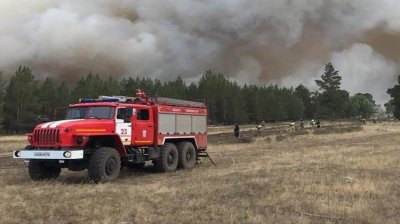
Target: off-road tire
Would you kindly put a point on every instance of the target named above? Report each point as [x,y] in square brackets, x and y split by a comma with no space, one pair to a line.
[187,155]
[40,170]
[168,161]
[104,165]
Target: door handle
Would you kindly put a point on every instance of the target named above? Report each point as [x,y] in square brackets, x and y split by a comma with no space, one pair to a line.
[150,126]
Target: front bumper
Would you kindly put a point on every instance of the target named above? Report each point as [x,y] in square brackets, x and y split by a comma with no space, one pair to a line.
[48,154]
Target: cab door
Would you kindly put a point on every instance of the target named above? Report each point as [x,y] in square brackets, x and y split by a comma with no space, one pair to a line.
[143,130]
[123,126]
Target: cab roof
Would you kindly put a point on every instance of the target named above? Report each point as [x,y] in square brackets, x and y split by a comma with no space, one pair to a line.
[109,104]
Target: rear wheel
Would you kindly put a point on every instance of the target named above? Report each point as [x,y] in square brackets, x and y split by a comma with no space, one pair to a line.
[168,160]
[187,155]
[40,170]
[104,165]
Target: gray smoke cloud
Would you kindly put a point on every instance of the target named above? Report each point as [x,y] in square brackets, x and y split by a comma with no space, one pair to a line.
[259,41]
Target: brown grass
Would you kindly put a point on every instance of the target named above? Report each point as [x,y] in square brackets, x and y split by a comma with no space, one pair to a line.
[331,178]
[10,143]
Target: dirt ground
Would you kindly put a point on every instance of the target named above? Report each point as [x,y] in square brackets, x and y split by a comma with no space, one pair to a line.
[339,177]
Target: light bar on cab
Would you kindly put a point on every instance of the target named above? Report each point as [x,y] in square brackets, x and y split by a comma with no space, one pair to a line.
[106,99]
[98,100]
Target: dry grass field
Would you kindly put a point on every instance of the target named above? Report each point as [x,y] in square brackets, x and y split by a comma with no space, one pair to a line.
[10,143]
[350,177]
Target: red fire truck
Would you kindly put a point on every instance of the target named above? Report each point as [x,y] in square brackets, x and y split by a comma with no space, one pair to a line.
[105,134]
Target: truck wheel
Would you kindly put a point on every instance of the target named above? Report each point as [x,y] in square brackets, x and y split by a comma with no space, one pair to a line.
[187,155]
[104,165]
[39,170]
[168,161]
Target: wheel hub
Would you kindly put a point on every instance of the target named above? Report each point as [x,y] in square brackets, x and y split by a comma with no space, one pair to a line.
[111,165]
[188,155]
[170,158]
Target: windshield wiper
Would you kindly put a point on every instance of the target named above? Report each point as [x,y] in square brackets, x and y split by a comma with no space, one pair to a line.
[94,117]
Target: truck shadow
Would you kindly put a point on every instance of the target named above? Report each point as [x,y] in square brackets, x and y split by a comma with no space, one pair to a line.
[82,177]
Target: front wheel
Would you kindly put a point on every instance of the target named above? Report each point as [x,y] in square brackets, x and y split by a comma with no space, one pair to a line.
[104,165]
[40,170]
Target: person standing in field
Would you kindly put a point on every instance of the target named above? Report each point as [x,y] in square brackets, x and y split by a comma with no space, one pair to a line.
[312,123]
[301,124]
[258,129]
[236,130]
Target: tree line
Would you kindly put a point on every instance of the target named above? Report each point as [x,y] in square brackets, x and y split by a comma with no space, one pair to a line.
[26,101]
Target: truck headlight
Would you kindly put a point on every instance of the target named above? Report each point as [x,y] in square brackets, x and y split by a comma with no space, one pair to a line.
[17,153]
[80,140]
[67,154]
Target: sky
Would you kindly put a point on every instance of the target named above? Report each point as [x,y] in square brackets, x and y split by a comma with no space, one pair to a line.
[286,42]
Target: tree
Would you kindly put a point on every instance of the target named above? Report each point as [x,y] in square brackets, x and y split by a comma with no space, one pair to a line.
[395,95]
[111,87]
[128,87]
[360,106]
[332,99]
[389,106]
[47,98]
[209,85]
[20,103]
[330,80]
[367,96]
[63,98]
[251,102]
[174,89]
[304,94]
[235,104]
[193,92]
[295,107]
[90,86]
[227,101]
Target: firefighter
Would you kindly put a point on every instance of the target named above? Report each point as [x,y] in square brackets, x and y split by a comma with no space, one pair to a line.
[301,124]
[236,130]
[258,129]
[312,123]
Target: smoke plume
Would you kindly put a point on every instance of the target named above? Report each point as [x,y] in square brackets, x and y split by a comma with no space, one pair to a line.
[259,41]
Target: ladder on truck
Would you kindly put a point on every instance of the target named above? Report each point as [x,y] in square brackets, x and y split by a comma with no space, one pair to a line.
[179,103]
[142,98]
[159,101]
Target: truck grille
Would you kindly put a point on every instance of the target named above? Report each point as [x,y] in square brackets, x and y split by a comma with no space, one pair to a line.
[46,136]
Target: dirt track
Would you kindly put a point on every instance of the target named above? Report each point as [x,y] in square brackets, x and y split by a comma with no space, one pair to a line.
[228,137]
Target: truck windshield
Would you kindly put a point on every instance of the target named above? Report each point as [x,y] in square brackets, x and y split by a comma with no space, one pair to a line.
[90,113]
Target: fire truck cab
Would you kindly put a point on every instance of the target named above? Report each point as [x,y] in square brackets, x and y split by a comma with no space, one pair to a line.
[103,135]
